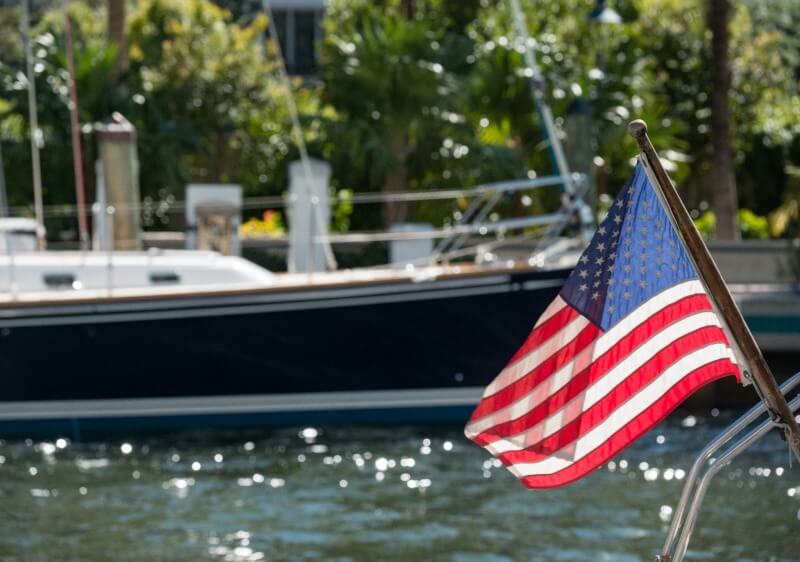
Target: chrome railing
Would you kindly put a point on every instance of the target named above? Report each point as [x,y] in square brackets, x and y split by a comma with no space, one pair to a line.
[694,490]
[472,228]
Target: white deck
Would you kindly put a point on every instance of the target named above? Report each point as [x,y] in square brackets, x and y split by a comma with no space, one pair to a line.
[63,277]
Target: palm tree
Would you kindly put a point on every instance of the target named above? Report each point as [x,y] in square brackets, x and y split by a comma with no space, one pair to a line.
[381,75]
[723,178]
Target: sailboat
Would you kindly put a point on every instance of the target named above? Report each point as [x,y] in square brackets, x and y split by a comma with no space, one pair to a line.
[112,338]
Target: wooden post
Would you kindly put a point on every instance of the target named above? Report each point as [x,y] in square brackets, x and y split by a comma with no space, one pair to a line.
[718,291]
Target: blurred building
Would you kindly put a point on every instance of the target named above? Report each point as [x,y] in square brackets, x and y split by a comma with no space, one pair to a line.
[299,24]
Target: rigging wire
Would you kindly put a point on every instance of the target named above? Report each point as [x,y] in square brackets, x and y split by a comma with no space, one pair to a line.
[35,131]
[297,131]
[77,156]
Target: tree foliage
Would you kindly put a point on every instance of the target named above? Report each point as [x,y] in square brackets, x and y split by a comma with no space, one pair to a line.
[199,89]
[399,87]
[433,97]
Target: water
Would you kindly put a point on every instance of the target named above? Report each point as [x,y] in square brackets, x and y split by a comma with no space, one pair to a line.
[376,493]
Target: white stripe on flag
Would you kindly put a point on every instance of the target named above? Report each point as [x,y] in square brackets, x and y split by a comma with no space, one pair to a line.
[603,344]
[527,363]
[607,383]
[627,412]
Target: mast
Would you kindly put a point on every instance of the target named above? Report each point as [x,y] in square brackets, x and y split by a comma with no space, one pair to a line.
[537,85]
[35,132]
[557,156]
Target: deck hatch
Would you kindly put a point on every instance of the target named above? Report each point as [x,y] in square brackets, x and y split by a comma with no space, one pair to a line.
[59,280]
[164,278]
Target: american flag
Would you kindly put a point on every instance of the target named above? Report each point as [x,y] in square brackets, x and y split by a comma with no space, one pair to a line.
[631,334]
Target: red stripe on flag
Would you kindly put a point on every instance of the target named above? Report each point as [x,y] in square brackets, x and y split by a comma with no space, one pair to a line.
[603,364]
[636,427]
[624,391]
[528,382]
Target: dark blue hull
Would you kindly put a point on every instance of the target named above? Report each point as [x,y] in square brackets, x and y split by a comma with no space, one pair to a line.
[380,352]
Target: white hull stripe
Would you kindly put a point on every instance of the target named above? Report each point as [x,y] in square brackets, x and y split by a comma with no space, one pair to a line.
[599,389]
[239,404]
[626,412]
[289,295]
[523,366]
[93,317]
[186,299]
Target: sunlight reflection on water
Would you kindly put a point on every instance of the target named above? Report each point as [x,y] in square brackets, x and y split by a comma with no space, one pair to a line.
[377,493]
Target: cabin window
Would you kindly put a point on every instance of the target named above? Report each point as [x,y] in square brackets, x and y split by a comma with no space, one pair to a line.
[60,281]
[165,278]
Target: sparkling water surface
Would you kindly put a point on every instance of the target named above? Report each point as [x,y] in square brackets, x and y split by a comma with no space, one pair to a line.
[378,493]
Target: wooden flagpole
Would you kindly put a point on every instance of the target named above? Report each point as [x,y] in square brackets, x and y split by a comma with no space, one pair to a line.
[760,372]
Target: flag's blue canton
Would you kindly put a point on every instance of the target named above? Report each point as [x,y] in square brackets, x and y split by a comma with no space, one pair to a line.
[634,255]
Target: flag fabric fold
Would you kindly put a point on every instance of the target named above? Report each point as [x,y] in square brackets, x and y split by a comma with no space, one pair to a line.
[629,337]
